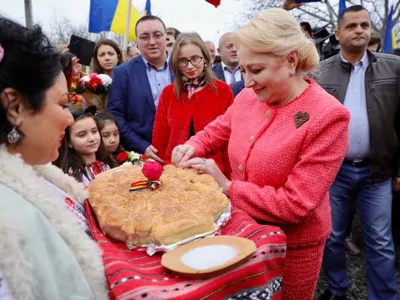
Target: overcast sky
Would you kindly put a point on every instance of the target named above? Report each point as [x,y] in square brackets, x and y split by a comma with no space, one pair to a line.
[186,15]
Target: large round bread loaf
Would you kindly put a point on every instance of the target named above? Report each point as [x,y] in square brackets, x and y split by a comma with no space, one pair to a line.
[186,204]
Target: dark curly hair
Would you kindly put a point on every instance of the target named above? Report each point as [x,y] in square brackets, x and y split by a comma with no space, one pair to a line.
[30,66]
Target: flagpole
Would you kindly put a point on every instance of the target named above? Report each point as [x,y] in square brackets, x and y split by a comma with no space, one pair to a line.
[127,24]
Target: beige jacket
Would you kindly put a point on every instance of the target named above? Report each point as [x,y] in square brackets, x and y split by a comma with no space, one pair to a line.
[44,253]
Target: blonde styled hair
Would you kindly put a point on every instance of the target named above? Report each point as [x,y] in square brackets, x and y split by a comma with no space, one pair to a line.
[277,32]
[190,38]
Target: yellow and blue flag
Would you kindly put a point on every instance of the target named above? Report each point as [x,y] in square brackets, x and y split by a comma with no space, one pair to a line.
[390,35]
[342,6]
[147,9]
[110,15]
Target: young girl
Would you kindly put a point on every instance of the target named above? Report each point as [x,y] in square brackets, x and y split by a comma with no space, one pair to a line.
[109,132]
[82,154]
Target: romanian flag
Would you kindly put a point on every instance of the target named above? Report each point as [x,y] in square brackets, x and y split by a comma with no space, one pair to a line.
[342,6]
[390,36]
[111,15]
[147,8]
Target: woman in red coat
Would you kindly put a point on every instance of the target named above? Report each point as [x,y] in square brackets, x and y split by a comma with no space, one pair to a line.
[287,139]
[194,100]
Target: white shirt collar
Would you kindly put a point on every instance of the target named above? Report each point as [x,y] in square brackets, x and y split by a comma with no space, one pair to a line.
[364,60]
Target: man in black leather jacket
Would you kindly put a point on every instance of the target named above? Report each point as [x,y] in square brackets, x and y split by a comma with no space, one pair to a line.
[369,86]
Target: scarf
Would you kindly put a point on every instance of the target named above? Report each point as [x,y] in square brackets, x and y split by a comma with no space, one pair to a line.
[190,85]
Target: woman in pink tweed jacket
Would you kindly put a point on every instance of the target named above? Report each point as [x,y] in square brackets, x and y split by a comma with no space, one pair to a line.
[286,140]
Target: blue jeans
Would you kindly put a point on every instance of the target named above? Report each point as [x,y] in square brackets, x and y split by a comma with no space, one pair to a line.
[374,201]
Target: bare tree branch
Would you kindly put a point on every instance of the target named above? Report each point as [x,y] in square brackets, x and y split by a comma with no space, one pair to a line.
[352,2]
[332,14]
[323,13]
[63,28]
[315,15]
[396,18]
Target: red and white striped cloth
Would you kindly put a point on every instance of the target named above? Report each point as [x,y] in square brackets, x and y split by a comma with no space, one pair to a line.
[132,274]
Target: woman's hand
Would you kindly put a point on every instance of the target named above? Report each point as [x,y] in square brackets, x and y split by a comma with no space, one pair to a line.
[151,152]
[181,154]
[209,166]
[290,4]
[75,65]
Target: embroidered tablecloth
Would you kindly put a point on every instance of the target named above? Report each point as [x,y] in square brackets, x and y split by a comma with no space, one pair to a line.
[133,275]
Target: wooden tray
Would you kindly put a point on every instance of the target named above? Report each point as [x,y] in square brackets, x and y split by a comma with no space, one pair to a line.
[244,249]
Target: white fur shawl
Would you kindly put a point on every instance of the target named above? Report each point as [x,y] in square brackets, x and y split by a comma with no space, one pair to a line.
[29,182]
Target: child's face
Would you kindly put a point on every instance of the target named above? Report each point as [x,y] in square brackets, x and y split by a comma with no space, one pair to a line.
[110,136]
[84,136]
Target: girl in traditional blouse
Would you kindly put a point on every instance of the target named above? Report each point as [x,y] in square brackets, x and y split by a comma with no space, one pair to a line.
[82,153]
[195,99]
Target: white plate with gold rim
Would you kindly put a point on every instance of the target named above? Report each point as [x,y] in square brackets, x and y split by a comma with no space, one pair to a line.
[208,257]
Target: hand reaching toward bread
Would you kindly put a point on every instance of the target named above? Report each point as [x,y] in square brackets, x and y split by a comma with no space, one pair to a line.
[181,154]
[151,153]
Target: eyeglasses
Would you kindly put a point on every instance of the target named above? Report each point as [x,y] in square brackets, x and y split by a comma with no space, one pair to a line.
[194,60]
[156,36]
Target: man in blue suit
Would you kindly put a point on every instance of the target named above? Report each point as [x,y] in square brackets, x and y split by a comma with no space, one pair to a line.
[228,70]
[137,86]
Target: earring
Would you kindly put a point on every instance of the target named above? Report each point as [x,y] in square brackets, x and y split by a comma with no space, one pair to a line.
[13,136]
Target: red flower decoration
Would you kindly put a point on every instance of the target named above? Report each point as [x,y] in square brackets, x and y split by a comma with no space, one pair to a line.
[152,170]
[122,157]
[94,82]
[143,158]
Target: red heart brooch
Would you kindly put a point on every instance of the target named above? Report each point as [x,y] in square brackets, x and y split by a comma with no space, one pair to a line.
[300,118]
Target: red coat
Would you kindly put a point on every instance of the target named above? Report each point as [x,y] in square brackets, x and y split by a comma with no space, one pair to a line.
[173,118]
[281,173]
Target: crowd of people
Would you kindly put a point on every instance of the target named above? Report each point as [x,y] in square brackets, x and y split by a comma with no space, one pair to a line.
[293,141]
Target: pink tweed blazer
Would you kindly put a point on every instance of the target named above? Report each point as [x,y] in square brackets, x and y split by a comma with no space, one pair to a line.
[284,159]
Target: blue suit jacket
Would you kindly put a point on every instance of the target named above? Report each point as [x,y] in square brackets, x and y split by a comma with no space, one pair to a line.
[219,72]
[131,102]
[237,87]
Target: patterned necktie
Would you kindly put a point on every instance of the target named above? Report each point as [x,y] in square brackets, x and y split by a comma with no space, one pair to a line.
[233,72]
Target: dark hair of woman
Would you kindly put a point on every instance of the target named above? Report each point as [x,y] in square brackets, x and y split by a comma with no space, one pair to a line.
[70,161]
[30,66]
[96,65]
[102,118]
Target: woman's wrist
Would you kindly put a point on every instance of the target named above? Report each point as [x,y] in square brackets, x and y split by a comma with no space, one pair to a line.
[226,185]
